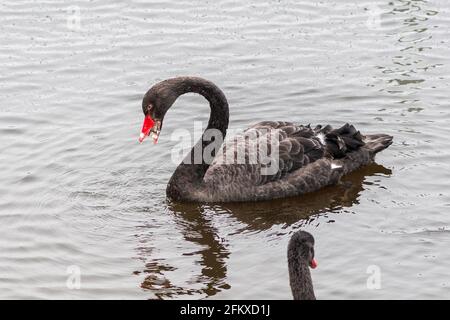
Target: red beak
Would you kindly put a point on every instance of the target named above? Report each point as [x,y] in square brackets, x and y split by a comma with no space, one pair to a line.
[146,127]
[313,264]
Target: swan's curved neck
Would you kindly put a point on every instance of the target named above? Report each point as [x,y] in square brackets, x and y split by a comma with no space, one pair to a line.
[189,174]
[216,98]
[300,277]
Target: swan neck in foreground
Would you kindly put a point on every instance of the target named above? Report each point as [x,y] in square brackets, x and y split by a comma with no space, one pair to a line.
[189,174]
[300,276]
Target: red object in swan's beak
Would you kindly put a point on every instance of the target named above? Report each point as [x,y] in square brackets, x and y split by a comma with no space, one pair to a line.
[146,127]
[313,264]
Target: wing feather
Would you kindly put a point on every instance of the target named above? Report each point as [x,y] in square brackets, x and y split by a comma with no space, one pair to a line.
[270,150]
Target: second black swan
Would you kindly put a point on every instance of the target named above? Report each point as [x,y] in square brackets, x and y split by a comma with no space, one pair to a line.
[300,258]
[307,158]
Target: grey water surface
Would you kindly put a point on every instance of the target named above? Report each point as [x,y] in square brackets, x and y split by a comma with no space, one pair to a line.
[80,199]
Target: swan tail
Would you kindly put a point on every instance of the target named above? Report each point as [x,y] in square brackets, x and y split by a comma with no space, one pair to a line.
[342,140]
[377,142]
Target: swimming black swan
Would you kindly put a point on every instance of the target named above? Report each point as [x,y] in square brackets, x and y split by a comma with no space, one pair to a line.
[299,159]
[300,257]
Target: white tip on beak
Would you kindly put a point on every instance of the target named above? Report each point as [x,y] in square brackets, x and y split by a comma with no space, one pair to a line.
[154,136]
[141,137]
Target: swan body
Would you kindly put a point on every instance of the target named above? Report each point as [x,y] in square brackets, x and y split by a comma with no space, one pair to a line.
[300,159]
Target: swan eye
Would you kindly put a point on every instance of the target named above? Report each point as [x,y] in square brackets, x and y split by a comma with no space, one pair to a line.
[149,108]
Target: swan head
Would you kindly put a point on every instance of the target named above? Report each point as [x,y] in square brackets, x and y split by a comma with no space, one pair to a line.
[155,104]
[302,245]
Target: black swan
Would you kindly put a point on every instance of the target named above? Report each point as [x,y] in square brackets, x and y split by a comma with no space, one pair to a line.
[302,159]
[300,256]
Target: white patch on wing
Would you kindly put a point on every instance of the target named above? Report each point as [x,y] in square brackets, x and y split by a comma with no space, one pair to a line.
[321,137]
[335,166]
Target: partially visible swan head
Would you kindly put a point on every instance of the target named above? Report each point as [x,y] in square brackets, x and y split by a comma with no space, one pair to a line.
[301,246]
[300,258]
[155,104]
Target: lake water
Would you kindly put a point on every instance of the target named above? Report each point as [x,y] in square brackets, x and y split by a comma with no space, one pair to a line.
[80,199]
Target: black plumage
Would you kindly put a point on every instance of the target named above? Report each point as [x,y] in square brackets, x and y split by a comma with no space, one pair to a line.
[292,159]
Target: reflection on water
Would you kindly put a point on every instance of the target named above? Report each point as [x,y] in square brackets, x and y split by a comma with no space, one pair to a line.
[197,228]
[263,215]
